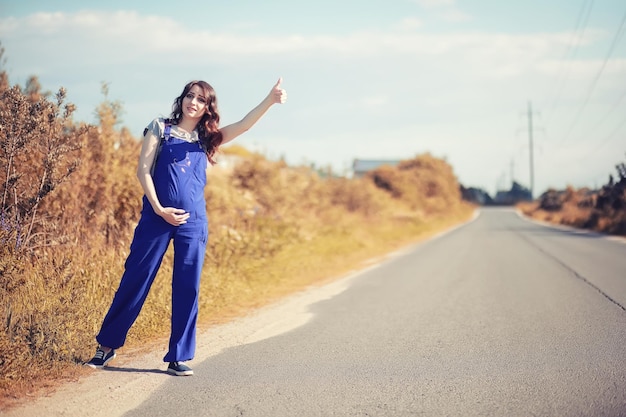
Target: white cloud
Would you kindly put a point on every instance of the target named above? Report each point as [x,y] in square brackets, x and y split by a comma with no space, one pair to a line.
[409,24]
[122,35]
[452,93]
[373,102]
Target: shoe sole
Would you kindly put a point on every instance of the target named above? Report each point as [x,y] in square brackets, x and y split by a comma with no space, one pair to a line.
[179,373]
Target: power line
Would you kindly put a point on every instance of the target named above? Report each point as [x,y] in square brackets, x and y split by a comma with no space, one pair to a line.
[561,80]
[608,138]
[606,115]
[591,88]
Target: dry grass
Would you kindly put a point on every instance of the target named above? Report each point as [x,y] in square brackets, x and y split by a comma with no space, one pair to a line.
[603,211]
[274,229]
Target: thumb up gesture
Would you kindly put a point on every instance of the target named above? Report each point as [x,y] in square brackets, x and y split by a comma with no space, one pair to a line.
[278,94]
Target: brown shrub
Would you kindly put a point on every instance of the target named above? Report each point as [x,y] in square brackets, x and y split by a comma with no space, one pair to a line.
[603,210]
[551,200]
[358,195]
[424,183]
[271,226]
[38,150]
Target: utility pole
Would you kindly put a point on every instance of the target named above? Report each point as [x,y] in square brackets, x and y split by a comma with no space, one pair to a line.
[512,172]
[530,145]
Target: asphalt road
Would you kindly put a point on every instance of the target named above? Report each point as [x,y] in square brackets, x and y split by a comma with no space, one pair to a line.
[501,317]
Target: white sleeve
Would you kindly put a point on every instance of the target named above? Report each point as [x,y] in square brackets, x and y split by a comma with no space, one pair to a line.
[157,126]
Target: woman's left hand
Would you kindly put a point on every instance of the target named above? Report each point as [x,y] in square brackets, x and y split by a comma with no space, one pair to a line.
[278,94]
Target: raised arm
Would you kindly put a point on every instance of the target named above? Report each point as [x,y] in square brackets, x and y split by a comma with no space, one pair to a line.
[276,96]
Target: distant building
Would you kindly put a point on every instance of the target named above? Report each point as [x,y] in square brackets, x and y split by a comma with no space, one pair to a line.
[516,194]
[362,166]
[475,195]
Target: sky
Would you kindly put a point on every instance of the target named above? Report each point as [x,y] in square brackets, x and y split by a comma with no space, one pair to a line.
[463,80]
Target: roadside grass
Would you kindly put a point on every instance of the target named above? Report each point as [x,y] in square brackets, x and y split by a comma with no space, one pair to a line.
[71,200]
[602,211]
[52,318]
[274,230]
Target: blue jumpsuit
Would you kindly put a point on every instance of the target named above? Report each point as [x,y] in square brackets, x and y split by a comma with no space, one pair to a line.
[179,178]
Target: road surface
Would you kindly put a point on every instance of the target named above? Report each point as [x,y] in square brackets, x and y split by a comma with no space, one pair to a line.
[500,317]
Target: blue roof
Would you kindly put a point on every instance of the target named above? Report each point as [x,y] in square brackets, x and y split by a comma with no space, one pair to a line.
[364,165]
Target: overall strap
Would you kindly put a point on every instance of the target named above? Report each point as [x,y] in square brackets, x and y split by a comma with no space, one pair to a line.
[167,130]
[166,136]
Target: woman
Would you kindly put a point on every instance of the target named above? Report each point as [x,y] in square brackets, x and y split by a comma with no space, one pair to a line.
[172,172]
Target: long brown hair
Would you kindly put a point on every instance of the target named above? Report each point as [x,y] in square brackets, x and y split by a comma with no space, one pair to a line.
[208,127]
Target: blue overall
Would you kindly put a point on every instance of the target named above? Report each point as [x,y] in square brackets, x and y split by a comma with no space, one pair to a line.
[179,179]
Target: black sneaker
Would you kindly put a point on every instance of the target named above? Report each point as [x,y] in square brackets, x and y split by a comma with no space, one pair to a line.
[179,369]
[101,358]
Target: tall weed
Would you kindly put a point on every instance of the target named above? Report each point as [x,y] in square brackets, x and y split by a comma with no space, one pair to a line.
[601,210]
[71,200]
